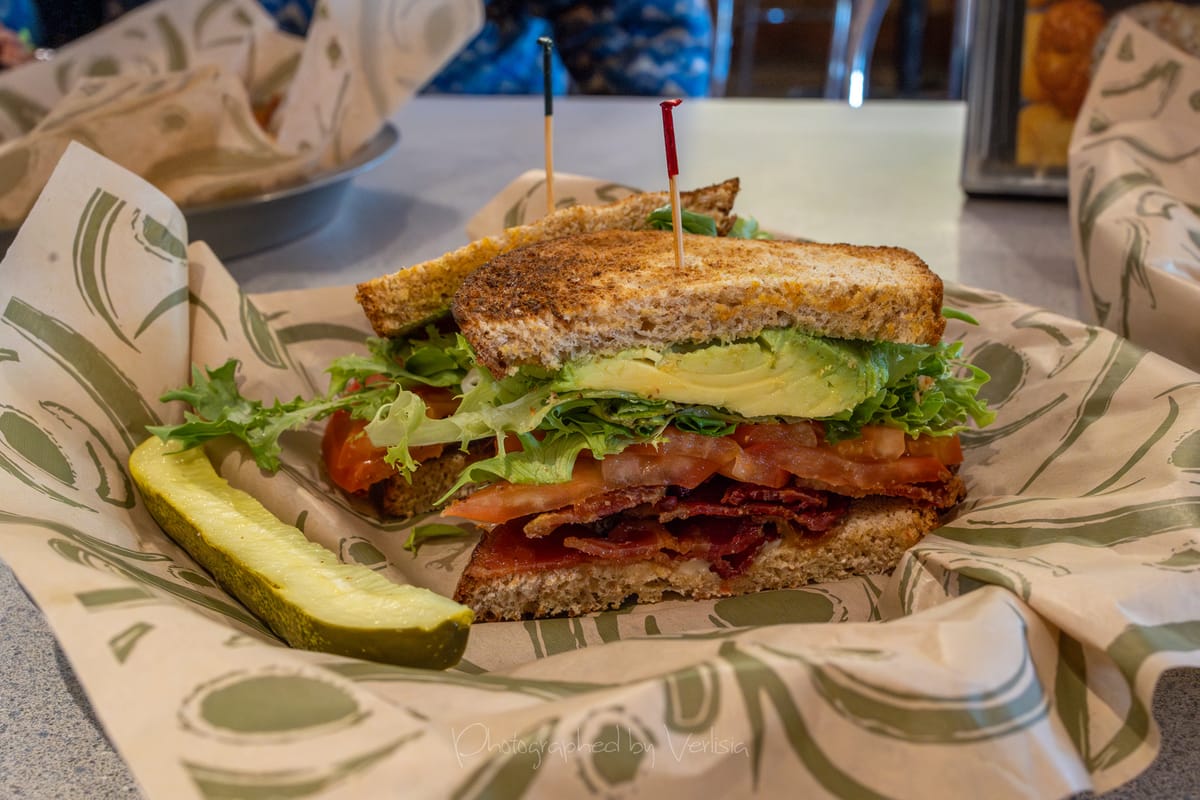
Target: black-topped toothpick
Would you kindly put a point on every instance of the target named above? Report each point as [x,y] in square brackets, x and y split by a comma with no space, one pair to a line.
[548,94]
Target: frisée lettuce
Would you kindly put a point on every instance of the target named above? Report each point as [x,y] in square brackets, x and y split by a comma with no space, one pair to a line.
[541,421]
[915,388]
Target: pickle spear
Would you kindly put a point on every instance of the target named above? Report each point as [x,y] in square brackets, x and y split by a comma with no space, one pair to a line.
[297,587]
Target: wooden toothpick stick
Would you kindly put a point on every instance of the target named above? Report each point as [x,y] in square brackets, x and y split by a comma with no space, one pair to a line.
[672,171]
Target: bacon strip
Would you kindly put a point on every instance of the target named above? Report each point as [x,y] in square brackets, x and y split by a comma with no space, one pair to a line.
[792,495]
[724,523]
[632,539]
[940,494]
[594,508]
[729,549]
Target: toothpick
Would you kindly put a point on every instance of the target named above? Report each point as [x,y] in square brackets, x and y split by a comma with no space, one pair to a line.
[548,95]
[672,171]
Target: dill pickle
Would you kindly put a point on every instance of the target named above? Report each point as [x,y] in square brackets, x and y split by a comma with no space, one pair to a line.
[297,587]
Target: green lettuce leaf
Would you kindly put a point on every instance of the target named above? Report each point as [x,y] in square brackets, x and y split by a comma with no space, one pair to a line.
[704,225]
[361,384]
[747,228]
[421,534]
[691,221]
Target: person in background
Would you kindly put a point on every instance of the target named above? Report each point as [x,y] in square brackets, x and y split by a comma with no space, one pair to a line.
[291,15]
[20,28]
[651,47]
[57,22]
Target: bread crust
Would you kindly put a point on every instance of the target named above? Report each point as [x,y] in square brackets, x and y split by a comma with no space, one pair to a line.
[869,540]
[601,293]
[401,498]
[404,301]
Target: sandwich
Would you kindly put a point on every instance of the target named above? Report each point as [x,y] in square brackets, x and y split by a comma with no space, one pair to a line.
[775,414]
[415,351]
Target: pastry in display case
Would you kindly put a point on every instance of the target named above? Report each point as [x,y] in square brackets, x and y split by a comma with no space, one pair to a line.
[1030,67]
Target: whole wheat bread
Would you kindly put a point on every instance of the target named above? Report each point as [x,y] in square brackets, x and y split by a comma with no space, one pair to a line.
[869,540]
[404,301]
[601,293]
[401,497]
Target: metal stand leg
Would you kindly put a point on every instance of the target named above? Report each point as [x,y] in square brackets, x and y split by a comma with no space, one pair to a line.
[855,61]
[722,45]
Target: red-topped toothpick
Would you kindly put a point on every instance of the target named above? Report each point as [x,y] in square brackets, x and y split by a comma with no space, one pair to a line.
[548,94]
[672,171]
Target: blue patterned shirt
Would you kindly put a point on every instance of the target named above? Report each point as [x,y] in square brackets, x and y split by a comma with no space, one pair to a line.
[651,47]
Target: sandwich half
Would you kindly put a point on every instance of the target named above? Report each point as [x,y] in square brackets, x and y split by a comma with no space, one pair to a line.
[406,307]
[416,352]
[776,413]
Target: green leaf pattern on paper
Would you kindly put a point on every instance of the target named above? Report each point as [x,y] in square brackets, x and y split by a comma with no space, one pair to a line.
[260,335]
[511,773]
[147,570]
[1012,704]
[97,374]
[220,783]
[123,644]
[153,44]
[763,688]
[979,646]
[1134,198]
[23,112]
[1122,360]
[113,485]
[33,457]
[90,254]
[161,240]
[693,698]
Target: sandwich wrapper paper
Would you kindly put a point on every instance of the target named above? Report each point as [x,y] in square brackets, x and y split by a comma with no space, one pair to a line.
[1134,194]
[171,89]
[1012,653]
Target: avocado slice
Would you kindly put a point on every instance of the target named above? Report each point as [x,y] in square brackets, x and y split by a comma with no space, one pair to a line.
[299,588]
[781,372]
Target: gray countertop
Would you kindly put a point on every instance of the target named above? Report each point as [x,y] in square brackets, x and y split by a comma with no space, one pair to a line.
[883,174]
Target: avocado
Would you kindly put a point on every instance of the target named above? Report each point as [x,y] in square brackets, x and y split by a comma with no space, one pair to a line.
[299,588]
[780,372]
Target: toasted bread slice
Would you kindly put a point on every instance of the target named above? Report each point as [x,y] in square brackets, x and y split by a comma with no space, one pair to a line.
[400,498]
[869,540]
[605,292]
[406,300]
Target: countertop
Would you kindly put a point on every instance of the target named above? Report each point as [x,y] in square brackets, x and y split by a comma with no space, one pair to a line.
[886,173]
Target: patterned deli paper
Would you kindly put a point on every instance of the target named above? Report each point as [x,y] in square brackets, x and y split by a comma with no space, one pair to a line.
[209,101]
[1011,654]
[1135,194]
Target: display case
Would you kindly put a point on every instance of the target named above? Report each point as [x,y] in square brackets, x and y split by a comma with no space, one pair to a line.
[1029,64]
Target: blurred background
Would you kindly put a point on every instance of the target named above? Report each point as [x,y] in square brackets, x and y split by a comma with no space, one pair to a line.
[782,48]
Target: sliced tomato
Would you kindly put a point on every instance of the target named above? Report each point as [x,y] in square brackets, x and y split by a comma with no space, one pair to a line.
[440,402]
[823,464]
[751,467]
[876,443]
[503,501]
[651,469]
[352,461]
[767,455]
[807,434]
[680,459]
[946,449]
[718,449]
